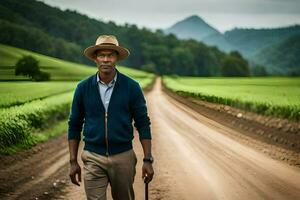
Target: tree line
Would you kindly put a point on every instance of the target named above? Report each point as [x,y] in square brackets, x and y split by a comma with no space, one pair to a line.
[38,27]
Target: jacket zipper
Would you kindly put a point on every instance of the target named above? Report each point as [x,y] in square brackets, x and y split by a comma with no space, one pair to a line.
[106,134]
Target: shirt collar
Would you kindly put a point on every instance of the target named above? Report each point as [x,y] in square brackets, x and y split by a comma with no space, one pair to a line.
[110,83]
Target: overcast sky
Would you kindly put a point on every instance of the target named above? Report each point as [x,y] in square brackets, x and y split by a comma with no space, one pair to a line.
[221,14]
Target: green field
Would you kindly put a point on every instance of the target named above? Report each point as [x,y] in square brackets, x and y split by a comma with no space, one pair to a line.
[17,93]
[278,96]
[59,69]
[65,75]
[28,108]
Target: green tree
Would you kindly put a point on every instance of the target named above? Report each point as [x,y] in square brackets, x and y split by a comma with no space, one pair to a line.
[64,34]
[235,65]
[259,70]
[42,76]
[29,66]
[150,67]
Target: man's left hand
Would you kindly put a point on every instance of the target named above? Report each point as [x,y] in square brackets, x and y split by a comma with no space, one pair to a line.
[147,172]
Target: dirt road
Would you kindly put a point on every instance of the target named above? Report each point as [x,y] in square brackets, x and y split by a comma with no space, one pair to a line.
[194,159]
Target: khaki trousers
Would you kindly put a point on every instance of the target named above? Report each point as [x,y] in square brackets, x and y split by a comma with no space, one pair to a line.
[118,170]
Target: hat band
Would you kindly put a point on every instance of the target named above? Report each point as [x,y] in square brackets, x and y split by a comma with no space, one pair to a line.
[107,44]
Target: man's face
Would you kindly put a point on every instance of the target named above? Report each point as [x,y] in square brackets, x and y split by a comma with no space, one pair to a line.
[106,61]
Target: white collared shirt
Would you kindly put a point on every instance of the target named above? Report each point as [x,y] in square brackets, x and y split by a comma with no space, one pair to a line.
[106,90]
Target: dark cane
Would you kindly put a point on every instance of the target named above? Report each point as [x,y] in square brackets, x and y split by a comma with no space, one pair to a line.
[146,188]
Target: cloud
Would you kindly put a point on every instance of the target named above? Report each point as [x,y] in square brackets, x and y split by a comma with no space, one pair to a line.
[163,13]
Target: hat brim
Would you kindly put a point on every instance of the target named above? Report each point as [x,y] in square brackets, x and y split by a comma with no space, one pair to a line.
[90,51]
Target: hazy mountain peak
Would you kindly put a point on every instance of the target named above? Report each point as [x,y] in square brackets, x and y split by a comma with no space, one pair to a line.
[192,27]
[194,19]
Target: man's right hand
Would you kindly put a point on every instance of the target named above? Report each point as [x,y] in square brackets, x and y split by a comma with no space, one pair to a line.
[75,169]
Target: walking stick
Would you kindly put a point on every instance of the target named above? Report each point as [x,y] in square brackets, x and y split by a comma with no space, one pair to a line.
[146,188]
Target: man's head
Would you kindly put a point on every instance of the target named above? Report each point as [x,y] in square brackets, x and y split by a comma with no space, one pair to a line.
[106,42]
[106,60]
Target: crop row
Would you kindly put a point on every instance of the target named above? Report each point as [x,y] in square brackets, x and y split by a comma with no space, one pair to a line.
[236,96]
[18,93]
[17,123]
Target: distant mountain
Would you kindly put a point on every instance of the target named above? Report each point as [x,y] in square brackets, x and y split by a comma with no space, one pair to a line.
[254,44]
[194,27]
[36,26]
[219,41]
[251,41]
[283,56]
[276,49]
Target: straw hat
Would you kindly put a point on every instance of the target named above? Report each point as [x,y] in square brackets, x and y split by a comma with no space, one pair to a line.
[106,42]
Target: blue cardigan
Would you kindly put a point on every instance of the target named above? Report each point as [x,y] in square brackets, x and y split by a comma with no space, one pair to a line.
[127,103]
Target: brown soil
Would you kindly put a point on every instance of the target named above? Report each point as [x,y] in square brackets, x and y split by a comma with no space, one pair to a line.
[279,138]
[32,174]
[199,150]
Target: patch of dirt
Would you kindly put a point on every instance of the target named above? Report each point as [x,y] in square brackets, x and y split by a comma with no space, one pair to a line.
[42,171]
[30,174]
[279,138]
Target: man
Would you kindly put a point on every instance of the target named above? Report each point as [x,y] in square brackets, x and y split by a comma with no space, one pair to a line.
[107,103]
